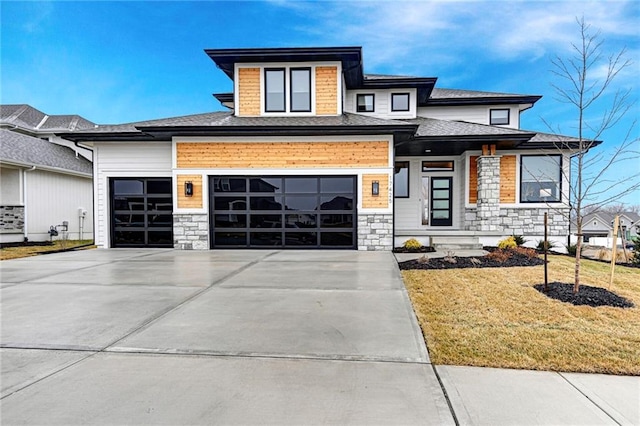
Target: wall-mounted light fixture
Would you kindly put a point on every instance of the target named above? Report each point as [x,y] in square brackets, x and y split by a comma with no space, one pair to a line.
[375,188]
[188,189]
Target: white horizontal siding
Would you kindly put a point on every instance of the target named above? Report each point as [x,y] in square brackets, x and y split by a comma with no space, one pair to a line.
[127,159]
[472,113]
[382,103]
[52,198]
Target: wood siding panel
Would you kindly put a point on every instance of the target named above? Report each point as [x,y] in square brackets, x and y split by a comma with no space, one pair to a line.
[508,179]
[195,201]
[375,202]
[326,90]
[473,179]
[282,155]
[249,91]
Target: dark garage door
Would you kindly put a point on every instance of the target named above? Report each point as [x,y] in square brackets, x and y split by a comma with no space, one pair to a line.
[283,211]
[141,212]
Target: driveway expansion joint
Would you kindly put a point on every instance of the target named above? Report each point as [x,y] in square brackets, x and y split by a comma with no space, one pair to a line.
[588,398]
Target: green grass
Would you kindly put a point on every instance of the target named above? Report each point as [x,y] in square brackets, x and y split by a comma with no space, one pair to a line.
[26,251]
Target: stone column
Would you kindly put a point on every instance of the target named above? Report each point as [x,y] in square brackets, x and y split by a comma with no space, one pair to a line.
[488,204]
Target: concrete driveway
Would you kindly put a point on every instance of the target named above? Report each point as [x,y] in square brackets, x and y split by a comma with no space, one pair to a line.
[215,337]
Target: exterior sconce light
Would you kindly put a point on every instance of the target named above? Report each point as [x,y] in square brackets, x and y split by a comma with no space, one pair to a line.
[375,188]
[188,189]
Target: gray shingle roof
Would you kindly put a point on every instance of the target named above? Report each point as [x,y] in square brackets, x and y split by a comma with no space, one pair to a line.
[550,137]
[227,119]
[27,150]
[435,127]
[27,117]
[460,94]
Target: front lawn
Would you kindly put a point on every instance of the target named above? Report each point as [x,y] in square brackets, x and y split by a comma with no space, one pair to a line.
[7,253]
[494,317]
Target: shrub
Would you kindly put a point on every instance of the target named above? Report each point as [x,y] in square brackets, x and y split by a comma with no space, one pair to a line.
[412,244]
[500,255]
[635,258]
[571,249]
[519,239]
[509,242]
[525,251]
[540,245]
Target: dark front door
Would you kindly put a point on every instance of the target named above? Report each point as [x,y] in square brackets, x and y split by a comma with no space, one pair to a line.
[141,212]
[283,211]
[441,193]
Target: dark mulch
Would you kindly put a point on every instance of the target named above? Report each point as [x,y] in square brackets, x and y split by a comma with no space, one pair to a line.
[587,295]
[26,244]
[454,262]
[420,250]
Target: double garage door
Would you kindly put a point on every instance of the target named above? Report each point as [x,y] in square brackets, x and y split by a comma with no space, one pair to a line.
[245,212]
[283,211]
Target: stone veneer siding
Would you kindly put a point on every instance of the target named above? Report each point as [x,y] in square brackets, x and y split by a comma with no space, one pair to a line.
[375,232]
[191,231]
[488,204]
[523,221]
[11,219]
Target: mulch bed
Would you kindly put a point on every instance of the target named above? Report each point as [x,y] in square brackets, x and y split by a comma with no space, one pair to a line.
[423,249]
[587,295]
[26,244]
[455,262]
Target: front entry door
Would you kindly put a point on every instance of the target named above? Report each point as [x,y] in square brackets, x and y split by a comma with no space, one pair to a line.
[441,194]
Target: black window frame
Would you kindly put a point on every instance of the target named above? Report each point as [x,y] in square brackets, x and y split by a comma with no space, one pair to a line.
[491,119]
[291,70]
[408,95]
[284,90]
[408,167]
[560,165]
[373,102]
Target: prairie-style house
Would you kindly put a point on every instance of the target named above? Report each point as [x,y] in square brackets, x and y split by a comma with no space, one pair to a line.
[314,153]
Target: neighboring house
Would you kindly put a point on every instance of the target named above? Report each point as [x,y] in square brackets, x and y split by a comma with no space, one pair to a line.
[44,180]
[600,225]
[316,154]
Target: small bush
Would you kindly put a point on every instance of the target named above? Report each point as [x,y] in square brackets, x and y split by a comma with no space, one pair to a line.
[423,259]
[509,242]
[571,249]
[635,258]
[499,255]
[519,239]
[412,244]
[540,245]
[525,251]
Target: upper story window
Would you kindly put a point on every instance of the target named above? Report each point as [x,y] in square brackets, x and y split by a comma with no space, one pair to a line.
[498,116]
[540,178]
[365,103]
[274,90]
[399,102]
[300,89]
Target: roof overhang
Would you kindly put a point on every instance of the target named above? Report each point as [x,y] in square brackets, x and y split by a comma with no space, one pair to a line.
[456,145]
[350,57]
[424,86]
[167,133]
[488,100]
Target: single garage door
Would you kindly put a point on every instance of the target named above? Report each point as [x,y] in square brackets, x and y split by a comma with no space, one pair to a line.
[283,211]
[141,212]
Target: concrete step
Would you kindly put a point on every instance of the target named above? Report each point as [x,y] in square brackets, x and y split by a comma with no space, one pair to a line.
[455,242]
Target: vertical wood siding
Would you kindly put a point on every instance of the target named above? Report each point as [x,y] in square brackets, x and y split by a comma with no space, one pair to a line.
[194,202]
[249,91]
[326,90]
[375,202]
[473,179]
[508,179]
[285,155]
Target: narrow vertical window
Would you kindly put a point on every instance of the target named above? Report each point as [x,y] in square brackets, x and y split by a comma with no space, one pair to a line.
[300,89]
[401,180]
[274,90]
[365,103]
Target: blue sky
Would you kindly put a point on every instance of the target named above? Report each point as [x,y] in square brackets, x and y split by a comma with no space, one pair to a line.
[122,61]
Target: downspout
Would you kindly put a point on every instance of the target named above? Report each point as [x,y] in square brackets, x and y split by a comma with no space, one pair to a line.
[24,200]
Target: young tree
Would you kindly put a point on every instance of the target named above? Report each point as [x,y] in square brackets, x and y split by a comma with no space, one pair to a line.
[585,82]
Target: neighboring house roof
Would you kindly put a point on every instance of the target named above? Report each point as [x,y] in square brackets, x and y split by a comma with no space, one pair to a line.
[225,123]
[25,150]
[26,117]
[607,218]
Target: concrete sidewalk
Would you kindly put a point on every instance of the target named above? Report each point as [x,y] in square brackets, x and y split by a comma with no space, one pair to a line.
[252,337]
